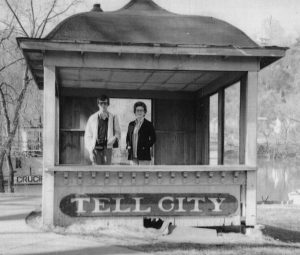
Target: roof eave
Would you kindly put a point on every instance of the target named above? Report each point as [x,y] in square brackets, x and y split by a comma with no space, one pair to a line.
[149,48]
[267,55]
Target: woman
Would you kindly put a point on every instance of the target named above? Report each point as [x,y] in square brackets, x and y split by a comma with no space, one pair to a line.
[140,136]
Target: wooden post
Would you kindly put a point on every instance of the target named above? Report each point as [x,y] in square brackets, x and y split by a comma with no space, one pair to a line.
[57,104]
[242,127]
[248,140]
[202,131]
[242,138]
[221,126]
[49,144]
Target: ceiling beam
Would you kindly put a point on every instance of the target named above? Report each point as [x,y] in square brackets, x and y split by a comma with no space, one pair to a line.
[145,81]
[225,80]
[194,81]
[142,94]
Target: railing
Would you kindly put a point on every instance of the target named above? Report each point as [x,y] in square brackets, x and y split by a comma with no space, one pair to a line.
[77,187]
[150,168]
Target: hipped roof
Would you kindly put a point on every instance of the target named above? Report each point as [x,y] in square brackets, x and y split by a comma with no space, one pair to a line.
[142,27]
[142,21]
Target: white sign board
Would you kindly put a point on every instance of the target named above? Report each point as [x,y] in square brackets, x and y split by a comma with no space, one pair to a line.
[28,179]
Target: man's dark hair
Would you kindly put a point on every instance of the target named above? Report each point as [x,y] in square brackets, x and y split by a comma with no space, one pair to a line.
[103,98]
[139,103]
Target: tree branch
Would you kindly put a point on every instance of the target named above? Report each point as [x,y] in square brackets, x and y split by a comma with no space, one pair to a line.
[8,36]
[15,122]
[5,110]
[45,21]
[26,82]
[10,64]
[63,11]
[9,99]
[33,18]
[16,17]
[8,95]
[9,24]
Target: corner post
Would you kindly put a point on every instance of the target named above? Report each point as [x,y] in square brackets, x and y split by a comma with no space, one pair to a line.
[49,144]
[249,139]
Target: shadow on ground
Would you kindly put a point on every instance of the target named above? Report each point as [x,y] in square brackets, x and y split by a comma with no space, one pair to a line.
[158,247]
[108,250]
[13,217]
[281,234]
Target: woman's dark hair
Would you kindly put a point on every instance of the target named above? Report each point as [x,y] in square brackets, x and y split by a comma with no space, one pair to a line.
[139,103]
[103,98]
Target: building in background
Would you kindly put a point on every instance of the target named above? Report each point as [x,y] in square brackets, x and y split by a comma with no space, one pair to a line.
[27,149]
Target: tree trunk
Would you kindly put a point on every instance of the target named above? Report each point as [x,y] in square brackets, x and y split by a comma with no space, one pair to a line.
[2,154]
[10,188]
[12,129]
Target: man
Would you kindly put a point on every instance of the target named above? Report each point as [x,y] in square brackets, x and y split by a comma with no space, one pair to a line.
[102,132]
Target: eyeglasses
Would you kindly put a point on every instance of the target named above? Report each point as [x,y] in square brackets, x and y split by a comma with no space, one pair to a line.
[139,110]
[103,103]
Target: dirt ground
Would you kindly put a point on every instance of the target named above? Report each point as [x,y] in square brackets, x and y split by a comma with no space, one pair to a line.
[260,240]
[277,232]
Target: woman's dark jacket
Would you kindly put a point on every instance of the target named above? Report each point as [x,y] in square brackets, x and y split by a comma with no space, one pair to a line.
[146,139]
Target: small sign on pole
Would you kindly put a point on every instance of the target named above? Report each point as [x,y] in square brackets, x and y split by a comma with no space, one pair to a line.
[28,179]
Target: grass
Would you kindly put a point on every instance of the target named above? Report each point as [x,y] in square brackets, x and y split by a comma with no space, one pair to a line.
[281,216]
[282,222]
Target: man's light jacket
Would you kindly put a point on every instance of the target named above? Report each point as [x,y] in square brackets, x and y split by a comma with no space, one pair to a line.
[91,131]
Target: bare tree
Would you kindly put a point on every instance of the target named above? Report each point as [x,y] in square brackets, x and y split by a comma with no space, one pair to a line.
[27,21]
[11,126]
